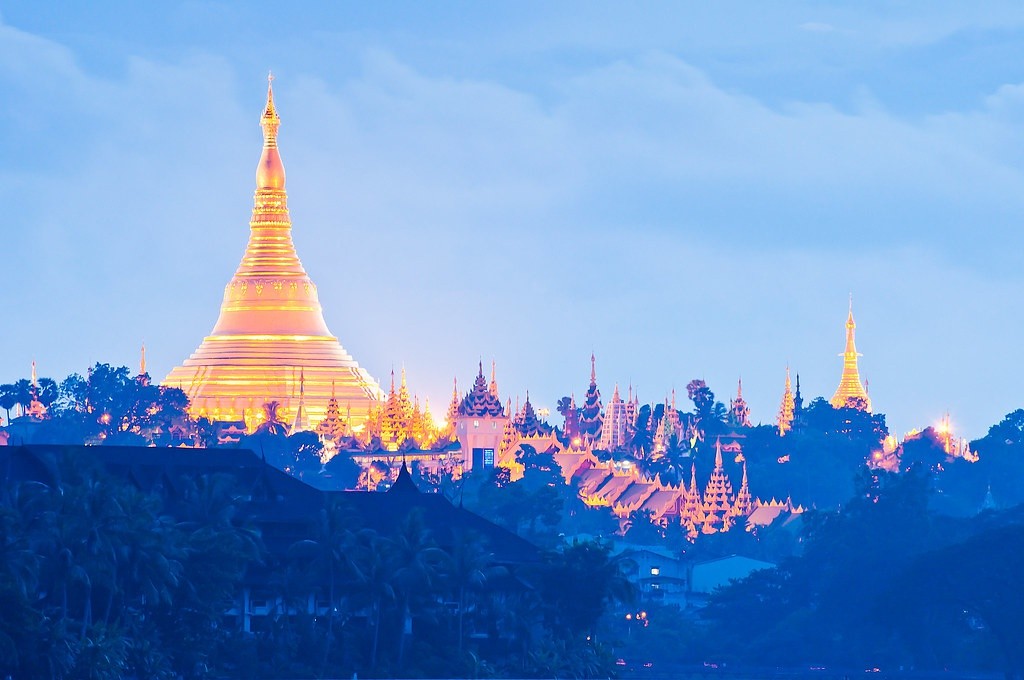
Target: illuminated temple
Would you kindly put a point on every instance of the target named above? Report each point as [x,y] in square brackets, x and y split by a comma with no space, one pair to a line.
[270,342]
[851,390]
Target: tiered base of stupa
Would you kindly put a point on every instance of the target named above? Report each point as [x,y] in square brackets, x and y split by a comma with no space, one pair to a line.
[232,377]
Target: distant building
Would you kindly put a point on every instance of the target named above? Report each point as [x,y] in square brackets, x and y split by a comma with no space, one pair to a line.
[739,412]
[480,424]
[660,575]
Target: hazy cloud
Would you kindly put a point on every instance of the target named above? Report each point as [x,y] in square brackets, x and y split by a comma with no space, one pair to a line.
[631,203]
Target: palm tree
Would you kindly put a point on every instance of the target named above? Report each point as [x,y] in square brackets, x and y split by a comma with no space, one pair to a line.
[8,399]
[23,394]
[273,424]
[332,555]
[47,392]
[375,575]
[581,582]
[468,568]
[19,561]
[417,560]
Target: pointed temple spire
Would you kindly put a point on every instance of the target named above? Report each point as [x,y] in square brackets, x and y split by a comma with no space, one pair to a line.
[785,419]
[851,391]
[143,377]
[301,423]
[494,381]
[35,407]
[718,497]
[744,502]
[739,412]
[798,406]
[271,321]
[591,415]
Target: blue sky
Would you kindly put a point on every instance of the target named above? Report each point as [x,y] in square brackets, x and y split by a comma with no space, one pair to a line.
[688,190]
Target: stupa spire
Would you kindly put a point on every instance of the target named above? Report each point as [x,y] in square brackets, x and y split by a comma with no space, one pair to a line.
[850,385]
[494,380]
[787,408]
[270,171]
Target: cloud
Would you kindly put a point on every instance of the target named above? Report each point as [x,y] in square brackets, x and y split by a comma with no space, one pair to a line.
[635,206]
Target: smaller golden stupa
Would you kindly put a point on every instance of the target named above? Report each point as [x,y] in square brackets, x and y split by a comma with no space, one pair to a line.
[850,386]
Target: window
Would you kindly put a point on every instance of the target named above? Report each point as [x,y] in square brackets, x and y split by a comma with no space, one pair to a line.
[476,423]
[655,571]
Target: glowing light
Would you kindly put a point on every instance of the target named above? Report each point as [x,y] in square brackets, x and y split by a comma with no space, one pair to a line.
[271,327]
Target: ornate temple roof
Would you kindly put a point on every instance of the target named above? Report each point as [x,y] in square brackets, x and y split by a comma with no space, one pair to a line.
[480,401]
[271,327]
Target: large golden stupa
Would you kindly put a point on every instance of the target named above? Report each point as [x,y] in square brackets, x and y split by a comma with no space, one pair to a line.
[270,343]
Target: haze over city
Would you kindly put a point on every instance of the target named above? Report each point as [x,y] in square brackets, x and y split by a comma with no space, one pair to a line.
[687,193]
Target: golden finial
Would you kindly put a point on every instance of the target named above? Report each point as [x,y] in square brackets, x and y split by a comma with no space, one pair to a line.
[270,172]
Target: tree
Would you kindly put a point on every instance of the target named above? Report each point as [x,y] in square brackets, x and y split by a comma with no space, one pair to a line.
[946,595]
[468,569]
[272,423]
[1010,430]
[332,554]
[47,392]
[23,394]
[8,399]
[580,582]
[417,560]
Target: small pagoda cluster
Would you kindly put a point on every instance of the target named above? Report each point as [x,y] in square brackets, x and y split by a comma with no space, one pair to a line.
[627,491]
[399,422]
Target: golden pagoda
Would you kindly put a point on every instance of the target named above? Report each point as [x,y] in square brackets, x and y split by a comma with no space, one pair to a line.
[271,341]
[850,386]
[787,408]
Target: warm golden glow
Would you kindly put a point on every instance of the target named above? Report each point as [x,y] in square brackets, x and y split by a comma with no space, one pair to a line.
[850,386]
[271,334]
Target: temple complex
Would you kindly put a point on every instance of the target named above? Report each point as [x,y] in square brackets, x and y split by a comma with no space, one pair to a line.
[851,392]
[270,342]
